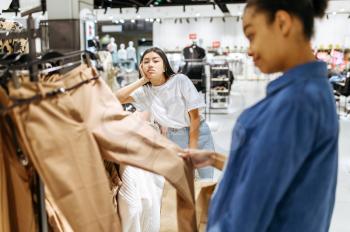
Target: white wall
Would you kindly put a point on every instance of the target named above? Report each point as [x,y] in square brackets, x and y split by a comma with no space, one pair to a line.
[335,30]
[170,35]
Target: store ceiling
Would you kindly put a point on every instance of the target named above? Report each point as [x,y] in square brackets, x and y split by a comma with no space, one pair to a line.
[98,4]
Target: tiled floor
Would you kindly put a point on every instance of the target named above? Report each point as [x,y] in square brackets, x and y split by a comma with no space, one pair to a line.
[246,93]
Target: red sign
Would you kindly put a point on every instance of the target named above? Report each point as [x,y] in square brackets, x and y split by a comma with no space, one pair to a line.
[193,36]
[216,44]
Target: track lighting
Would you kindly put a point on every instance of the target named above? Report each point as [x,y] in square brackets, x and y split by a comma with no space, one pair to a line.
[188,20]
[184,8]
[180,20]
[223,19]
[175,21]
[211,19]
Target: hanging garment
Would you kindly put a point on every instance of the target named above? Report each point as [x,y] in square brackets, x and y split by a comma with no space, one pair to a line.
[66,133]
[110,72]
[56,220]
[139,200]
[12,45]
[19,195]
[4,201]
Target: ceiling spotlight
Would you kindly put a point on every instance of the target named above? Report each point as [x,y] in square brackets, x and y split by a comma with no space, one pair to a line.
[116,21]
[120,10]
[184,8]
[195,19]
[180,20]
[121,21]
[151,20]
[137,9]
[105,12]
[175,21]
[132,21]
[138,16]
[158,20]
[211,19]
[223,19]
[334,13]
[349,16]
[198,14]
[147,20]
[188,20]
[214,7]
[237,18]
[327,16]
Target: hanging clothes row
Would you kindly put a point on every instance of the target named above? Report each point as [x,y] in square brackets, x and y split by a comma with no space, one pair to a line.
[67,126]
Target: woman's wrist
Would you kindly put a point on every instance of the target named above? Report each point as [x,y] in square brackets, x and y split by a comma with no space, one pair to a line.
[144,80]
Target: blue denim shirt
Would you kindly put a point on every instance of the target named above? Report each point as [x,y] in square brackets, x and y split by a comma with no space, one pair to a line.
[282,171]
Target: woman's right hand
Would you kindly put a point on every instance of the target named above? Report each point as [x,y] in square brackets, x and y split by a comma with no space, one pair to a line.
[144,78]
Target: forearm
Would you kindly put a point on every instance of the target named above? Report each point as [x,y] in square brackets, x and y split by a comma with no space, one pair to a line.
[123,93]
[218,160]
[194,132]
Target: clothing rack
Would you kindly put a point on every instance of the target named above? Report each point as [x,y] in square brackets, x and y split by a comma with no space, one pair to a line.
[31,34]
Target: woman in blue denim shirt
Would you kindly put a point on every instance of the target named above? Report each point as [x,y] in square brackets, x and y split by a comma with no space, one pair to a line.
[282,170]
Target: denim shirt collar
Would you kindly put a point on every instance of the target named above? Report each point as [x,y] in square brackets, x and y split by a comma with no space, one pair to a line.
[314,69]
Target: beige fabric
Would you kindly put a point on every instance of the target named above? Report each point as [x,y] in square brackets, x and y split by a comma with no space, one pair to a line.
[65,135]
[203,193]
[56,220]
[4,209]
[18,186]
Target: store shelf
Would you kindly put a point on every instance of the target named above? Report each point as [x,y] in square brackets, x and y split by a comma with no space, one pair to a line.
[219,91]
[220,68]
[220,79]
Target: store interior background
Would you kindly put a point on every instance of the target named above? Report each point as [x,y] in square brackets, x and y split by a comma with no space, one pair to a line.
[173,28]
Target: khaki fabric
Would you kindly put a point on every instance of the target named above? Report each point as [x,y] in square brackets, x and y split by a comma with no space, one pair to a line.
[19,196]
[65,136]
[56,220]
[203,193]
[4,209]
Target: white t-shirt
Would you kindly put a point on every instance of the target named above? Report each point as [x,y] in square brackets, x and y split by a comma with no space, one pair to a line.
[169,103]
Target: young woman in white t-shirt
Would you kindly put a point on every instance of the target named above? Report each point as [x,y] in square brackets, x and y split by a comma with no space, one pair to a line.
[173,102]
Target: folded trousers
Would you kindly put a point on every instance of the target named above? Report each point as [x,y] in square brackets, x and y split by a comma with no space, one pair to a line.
[68,135]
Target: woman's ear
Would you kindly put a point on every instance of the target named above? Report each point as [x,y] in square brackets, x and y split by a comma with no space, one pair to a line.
[284,22]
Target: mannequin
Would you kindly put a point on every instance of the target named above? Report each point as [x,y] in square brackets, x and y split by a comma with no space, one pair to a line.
[122,53]
[131,51]
[193,51]
[112,46]
[131,55]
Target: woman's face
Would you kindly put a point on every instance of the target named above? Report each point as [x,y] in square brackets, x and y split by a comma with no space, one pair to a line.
[153,66]
[265,44]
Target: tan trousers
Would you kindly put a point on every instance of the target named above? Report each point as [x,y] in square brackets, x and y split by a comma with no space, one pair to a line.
[17,212]
[65,136]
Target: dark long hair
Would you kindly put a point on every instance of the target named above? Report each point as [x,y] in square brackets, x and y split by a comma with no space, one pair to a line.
[305,10]
[168,71]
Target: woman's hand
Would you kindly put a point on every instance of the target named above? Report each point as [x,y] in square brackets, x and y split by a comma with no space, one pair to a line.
[144,78]
[199,158]
[203,158]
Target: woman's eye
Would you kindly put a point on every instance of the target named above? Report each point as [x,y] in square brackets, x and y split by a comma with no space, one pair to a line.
[250,37]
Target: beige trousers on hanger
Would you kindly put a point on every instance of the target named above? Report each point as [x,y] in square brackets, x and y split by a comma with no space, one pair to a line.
[17,212]
[66,136]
